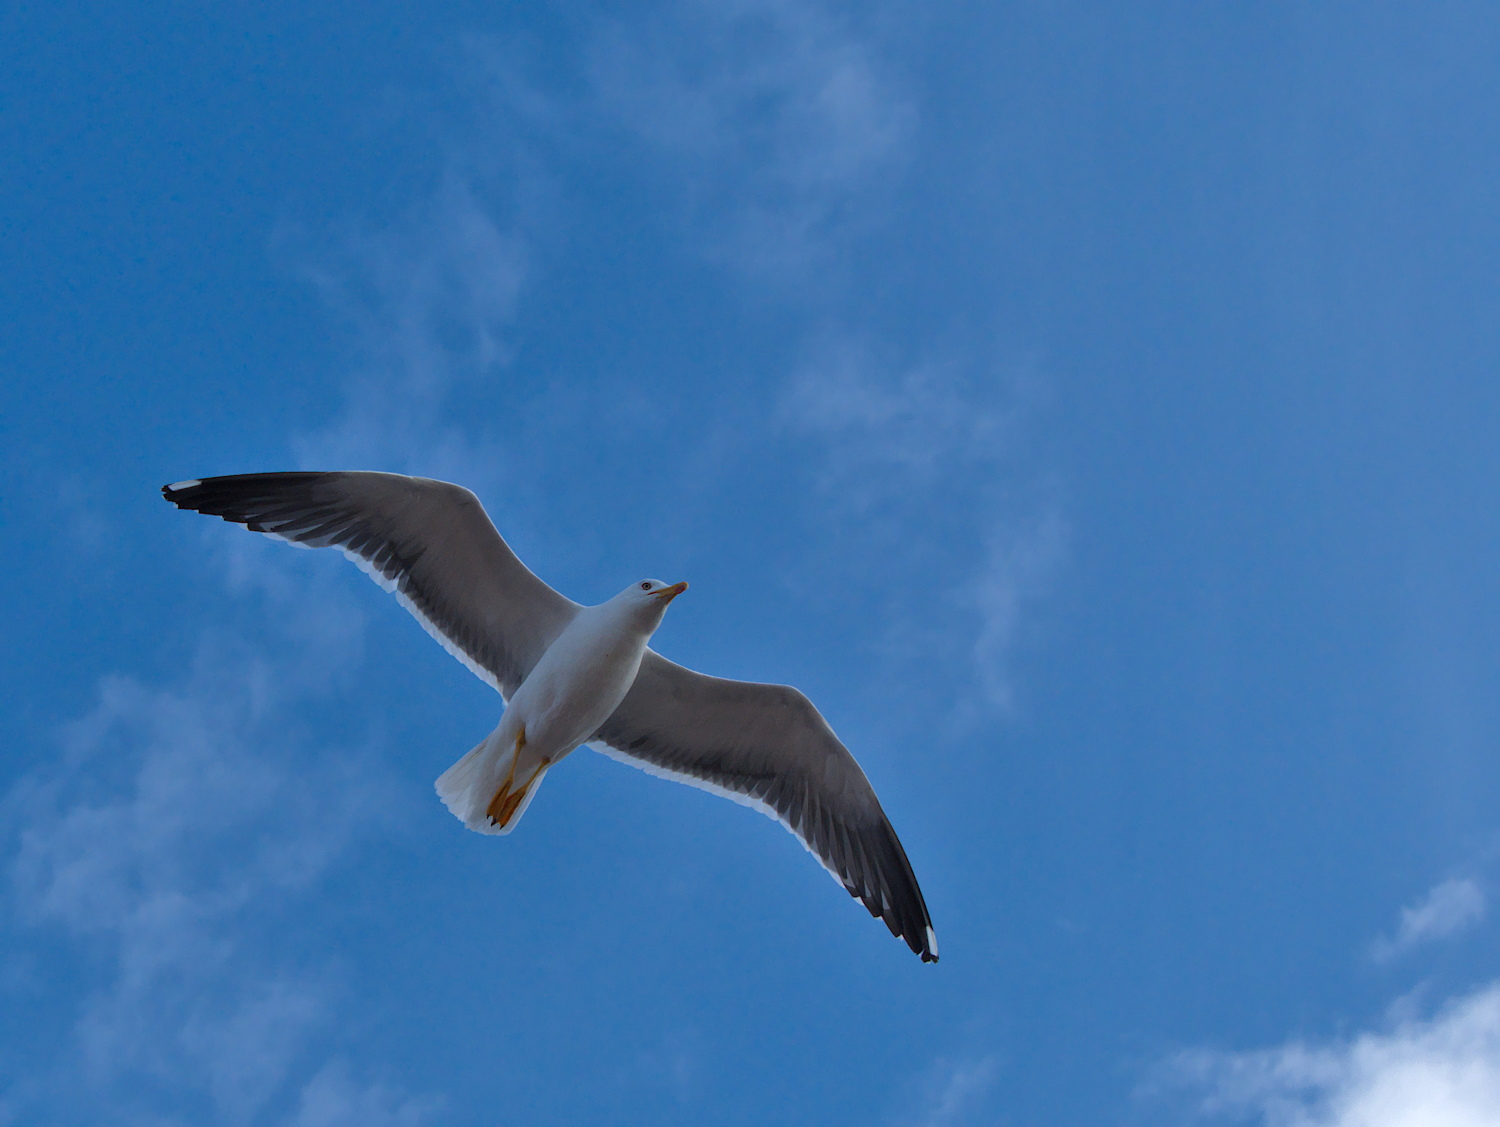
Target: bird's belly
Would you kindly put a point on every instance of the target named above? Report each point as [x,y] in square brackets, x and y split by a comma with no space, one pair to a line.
[563,702]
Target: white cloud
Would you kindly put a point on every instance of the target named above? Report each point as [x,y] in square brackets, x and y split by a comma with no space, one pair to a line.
[1024,554]
[1447,909]
[885,422]
[332,1099]
[774,118]
[1441,1072]
[772,129]
[84,522]
[954,1089]
[428,301]
[927,462]
[172,836]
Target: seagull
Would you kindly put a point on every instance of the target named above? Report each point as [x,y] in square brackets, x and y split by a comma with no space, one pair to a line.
[572,675]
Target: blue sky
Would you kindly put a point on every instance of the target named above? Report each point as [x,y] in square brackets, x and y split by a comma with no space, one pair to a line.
[1091,407]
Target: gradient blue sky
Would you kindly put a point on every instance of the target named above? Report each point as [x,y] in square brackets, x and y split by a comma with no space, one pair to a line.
[1092,407]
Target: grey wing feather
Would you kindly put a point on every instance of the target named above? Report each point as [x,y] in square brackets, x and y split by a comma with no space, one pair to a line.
[766,746]
[427,542]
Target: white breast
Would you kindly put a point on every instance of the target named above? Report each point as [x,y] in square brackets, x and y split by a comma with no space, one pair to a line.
[579,682]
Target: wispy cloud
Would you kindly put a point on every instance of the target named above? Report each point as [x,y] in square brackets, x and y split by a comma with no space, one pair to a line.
[928,461]
[1023,555]
[772,119]
[1446,910]
[954,1089]
[1440,1072]
[167,844]
[333,1098]
[886,423]
[427,302]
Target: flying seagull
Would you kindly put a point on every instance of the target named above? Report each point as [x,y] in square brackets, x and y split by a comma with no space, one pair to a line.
[572,675]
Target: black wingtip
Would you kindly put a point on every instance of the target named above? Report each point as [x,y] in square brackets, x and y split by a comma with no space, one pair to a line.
[177,492]
[924,945]
[894,896]
[216,496]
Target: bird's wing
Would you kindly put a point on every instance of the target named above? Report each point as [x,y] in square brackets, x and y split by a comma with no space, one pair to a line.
[767,747]
[427,542]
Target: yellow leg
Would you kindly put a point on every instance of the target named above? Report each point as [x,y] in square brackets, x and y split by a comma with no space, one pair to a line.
[506,801]
[504,804]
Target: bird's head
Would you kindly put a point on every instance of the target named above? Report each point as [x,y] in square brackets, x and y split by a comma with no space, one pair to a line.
[652,591]
[649,597]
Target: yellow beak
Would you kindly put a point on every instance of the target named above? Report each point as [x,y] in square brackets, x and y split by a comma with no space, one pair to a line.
[670,593]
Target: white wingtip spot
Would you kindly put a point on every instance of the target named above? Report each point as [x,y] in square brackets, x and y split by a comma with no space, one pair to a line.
[176,485]
[932,942]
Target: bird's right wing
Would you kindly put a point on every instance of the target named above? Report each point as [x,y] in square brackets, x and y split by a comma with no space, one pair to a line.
[427,542]
[767,747]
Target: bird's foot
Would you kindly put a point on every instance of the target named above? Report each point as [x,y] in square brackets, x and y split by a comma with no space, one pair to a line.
[509,797]
[503,806]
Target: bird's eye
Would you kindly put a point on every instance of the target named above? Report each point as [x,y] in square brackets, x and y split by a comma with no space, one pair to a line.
[645,586]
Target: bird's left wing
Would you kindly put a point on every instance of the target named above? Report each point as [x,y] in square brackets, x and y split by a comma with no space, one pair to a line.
[427,542]
[767,747]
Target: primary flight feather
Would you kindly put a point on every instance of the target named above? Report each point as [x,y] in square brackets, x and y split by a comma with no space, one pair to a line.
[573,675]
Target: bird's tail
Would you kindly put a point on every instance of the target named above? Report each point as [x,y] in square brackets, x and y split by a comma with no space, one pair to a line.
[489,789]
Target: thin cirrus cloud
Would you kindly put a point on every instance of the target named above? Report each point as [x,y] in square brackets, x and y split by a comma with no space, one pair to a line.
[927,463]
[1447,909]
[426,303]
[775,119]
[955,1091]
[118,855]
[1439,1072]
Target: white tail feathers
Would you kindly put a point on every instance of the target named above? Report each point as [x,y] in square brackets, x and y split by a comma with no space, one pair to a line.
[487,790]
